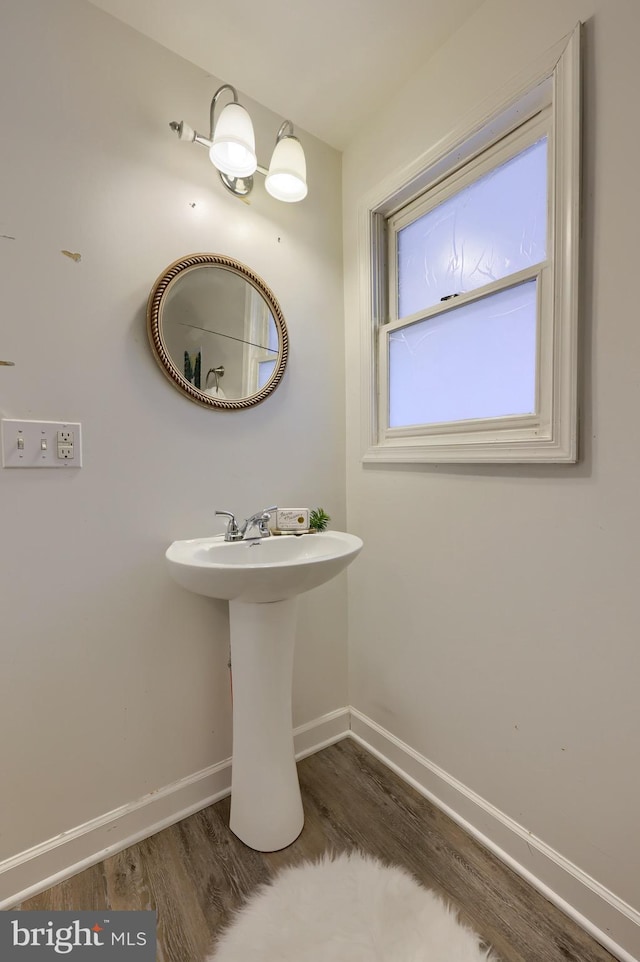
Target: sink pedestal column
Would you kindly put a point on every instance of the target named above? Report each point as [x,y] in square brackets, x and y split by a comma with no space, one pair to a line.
[266,807]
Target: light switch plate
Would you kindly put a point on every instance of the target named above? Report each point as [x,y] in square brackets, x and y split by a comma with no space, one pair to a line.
[37,444]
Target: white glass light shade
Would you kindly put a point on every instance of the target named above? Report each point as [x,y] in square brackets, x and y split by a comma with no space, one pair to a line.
[234,144]
[287,177]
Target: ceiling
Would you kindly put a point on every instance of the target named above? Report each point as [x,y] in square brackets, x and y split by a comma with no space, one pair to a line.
[324,65]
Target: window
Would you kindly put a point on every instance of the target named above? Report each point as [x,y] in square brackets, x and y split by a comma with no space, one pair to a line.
[472,287]
[260,344]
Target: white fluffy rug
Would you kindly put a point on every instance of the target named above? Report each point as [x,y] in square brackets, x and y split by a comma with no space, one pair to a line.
[350,908]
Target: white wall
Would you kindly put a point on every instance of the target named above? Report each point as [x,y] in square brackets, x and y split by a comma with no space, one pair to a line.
[493,621]
[114,680]
[494,613]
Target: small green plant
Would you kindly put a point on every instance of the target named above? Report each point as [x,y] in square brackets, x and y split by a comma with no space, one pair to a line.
[319,519]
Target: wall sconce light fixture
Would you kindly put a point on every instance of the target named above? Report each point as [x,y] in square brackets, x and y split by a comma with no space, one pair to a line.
[232,150]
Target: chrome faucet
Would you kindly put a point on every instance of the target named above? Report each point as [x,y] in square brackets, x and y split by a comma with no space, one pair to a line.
[259,521]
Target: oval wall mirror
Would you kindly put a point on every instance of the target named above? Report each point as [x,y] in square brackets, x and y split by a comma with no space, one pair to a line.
[217,332]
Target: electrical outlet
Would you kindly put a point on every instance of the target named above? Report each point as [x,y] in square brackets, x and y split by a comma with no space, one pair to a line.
[41,444]
[65,444]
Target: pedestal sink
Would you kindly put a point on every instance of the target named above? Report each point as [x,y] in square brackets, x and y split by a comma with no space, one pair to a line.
[261,580]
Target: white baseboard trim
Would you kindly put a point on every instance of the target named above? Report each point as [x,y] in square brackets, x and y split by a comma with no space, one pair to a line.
[33,871]
[321,732]
[612,922]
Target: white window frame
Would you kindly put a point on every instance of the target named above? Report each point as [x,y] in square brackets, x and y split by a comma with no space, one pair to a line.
[546,99]
[256,333]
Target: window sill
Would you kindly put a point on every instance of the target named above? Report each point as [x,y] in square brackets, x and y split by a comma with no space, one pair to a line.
[497,452]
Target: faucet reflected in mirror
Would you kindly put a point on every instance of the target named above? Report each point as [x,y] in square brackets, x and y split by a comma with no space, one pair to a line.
[216,390]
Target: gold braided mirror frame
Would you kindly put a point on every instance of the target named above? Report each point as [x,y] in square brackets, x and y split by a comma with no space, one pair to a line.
[157,301]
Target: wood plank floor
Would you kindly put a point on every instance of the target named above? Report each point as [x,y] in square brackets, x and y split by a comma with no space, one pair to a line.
[194,874]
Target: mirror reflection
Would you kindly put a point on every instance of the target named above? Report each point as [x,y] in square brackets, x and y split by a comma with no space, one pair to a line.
[217,331]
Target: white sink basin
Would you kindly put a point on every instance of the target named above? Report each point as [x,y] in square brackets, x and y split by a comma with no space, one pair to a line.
[272,569]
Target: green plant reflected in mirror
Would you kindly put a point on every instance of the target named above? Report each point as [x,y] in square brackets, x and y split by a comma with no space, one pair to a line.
[217,332]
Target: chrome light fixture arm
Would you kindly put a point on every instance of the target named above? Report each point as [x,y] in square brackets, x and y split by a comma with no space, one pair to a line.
[185,132]
[285,130]
[214,101]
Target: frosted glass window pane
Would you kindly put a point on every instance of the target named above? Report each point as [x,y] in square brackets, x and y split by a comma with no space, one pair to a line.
[489,230]
[476,361]
[272,344]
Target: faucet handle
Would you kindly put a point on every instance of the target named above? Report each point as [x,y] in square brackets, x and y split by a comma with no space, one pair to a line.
[232,533]
[262,523]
